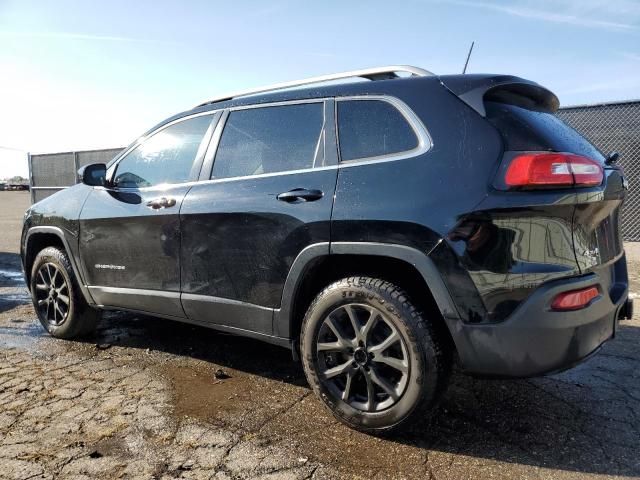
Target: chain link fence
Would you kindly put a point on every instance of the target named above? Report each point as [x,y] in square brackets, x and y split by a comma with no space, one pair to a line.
[615,127]
[51,172]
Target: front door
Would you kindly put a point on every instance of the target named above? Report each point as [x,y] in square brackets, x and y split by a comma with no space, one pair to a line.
[268,196]
[130,230]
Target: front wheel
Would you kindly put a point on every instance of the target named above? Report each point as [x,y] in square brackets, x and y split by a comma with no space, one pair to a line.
[371,356]
[57,299]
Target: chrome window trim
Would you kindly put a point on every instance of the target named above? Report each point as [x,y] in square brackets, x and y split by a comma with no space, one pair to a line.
[425,143]
[265,175]
[223,180]
[282,103]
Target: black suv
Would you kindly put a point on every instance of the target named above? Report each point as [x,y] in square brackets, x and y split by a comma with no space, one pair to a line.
[381,229]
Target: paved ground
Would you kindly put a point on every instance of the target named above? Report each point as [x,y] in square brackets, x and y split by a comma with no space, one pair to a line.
[141,400]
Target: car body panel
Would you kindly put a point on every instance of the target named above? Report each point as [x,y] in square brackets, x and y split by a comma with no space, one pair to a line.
[239,241]
[146,254]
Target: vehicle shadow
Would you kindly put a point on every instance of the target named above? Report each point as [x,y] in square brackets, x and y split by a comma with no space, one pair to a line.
[586,420]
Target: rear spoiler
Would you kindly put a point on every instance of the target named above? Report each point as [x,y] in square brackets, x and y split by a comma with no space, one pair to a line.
[475,89]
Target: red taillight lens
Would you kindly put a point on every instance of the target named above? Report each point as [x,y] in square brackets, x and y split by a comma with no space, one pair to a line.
[574,299]
[552,170]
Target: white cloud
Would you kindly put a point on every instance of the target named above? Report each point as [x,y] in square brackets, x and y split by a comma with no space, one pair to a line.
[13,162]
[76,36]
[619,16]
[631,56]
[608,86]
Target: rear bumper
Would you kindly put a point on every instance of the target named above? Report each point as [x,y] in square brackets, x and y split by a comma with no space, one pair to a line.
[535,340]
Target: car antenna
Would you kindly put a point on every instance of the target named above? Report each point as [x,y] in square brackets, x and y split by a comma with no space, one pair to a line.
[464,70]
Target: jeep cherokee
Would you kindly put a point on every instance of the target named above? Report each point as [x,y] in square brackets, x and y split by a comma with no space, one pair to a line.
[382,229]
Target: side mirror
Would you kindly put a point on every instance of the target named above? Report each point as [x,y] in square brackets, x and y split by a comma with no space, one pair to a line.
[93,175]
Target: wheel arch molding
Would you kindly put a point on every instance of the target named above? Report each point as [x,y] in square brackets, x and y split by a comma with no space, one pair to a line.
[287,318]
[30,244]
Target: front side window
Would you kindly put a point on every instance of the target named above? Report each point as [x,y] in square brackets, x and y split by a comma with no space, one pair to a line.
[372,128]
[165,157]
[270,139]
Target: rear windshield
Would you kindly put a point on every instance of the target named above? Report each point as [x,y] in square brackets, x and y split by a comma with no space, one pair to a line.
[524,129]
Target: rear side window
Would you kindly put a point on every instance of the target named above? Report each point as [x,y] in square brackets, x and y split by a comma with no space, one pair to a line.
[165,157]
[270,139]
[372,128]
[523,129]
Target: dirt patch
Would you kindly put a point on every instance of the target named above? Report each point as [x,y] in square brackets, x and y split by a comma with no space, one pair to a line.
[199,394]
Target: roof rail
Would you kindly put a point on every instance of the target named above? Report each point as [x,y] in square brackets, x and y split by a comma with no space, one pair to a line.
[376,73]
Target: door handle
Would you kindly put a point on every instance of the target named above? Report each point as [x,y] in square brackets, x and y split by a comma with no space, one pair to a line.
[298,195]
[162,202]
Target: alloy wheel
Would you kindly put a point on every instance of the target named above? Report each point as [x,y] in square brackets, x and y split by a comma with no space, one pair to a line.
[52,294]
[362,358]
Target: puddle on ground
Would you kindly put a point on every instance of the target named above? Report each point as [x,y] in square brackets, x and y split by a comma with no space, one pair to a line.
[11,278]
[12,289]
[12,274]
[240,400]
[11,297]
[21,333]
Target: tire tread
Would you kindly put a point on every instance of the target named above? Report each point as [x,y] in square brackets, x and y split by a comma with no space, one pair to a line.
[84,318]
[425,332]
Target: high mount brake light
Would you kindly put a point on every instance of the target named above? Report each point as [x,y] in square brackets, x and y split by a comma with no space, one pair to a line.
[545,169]
[574,299]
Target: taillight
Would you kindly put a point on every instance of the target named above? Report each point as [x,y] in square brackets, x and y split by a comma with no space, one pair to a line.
[574,299]
[545,169]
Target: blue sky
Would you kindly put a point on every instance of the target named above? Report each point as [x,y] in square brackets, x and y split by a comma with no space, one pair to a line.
[84,74]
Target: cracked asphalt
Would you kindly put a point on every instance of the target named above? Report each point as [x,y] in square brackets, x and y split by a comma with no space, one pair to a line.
[149,398]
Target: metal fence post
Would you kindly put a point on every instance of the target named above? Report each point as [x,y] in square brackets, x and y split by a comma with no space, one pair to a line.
[32,192]
[76,167]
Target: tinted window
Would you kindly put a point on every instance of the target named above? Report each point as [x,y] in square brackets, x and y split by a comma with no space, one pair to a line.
[269,139]
[166,157]
[524,129]
[370,128]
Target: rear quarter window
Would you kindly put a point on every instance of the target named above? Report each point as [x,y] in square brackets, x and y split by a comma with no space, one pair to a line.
[524,129]
[372,128]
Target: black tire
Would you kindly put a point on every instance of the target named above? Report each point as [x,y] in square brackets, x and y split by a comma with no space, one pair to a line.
[62,310]
[421,377]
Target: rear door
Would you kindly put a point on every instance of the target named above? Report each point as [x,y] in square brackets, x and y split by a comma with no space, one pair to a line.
[266,195]
[130,231]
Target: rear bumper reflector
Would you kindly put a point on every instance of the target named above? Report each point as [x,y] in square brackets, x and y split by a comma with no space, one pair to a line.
[575,299]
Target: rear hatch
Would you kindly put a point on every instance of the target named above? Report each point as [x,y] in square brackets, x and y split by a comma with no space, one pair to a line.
[596,233]
[524,114]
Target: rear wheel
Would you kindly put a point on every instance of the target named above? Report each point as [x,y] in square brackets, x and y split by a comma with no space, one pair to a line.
[57,299]
[371,356]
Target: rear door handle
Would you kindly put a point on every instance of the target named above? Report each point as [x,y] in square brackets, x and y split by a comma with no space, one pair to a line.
[162,202]
[300,195]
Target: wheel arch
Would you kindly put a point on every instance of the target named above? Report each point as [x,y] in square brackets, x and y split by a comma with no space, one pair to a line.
[320,264]
[38,238]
